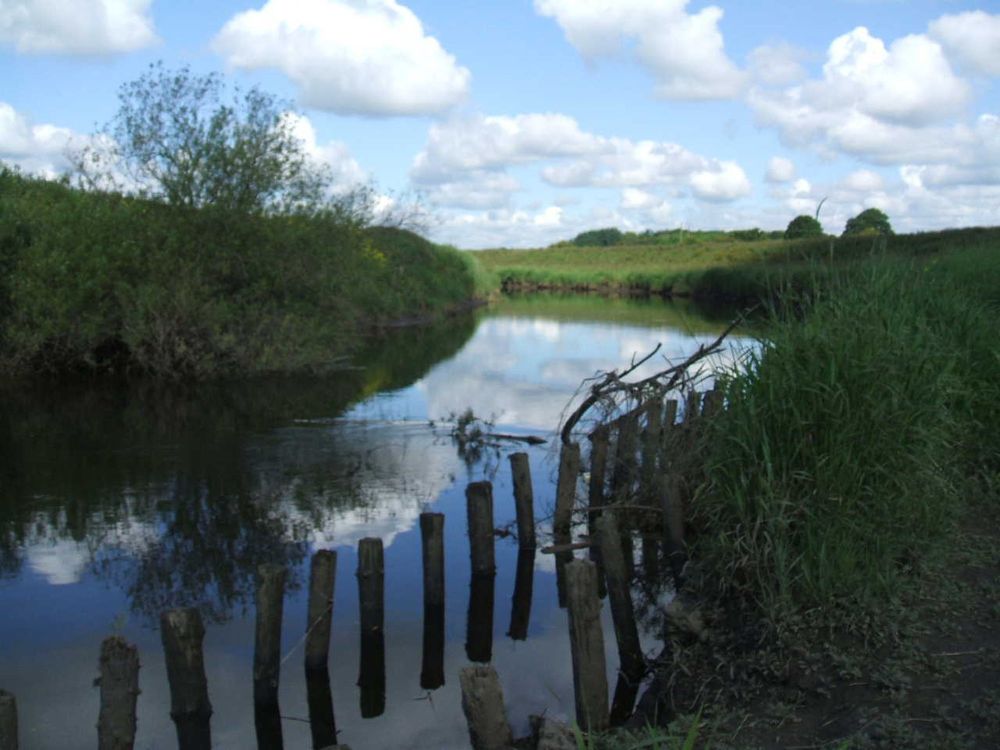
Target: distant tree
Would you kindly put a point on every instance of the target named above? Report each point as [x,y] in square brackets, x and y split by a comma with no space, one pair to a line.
[803,226]
[869,221]
[179,137]
[598,238]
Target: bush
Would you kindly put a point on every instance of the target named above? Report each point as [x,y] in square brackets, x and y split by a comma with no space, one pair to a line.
[598,238]
[803,226]
[869,221]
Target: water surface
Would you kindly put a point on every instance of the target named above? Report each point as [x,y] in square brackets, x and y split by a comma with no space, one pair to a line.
[117,503]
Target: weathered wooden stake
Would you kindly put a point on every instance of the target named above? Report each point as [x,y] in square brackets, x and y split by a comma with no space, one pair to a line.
[267,723]
[597,496]
[482,703]
[183,632]
[524,583]
[623,699]
[119,669]
[479,622]
[267,641]
[8,721]
[714,402]
[524,500]
[651,440]
[569,471]
[590,678]
[322,580]
[669,412]
[479,508]
[432,544]
[620,597]
[673,524]
[371,595]
[651,558]
[692,407]
[322,723]
[625,458]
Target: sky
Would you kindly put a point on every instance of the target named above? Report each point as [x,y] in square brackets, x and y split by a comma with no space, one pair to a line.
[518,123]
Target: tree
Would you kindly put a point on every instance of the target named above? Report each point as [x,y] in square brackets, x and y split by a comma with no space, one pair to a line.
[869,221]
[177,137]
[803,226]
[598,238]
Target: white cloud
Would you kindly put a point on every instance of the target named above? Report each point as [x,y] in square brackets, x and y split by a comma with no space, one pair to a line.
[780,169]
[464,161]
[368,57]
[972,39]
[726,183]
[886,105]
[89,27]
[633,198]
[684,52]
[864,181]
[777,64]
[38,149]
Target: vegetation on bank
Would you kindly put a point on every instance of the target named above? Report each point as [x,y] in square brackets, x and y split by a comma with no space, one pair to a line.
[712,266]
[103,282]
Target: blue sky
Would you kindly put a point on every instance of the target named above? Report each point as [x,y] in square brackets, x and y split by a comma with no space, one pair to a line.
[522,122]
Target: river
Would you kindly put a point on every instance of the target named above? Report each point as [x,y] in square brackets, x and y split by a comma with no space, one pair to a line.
[118,502]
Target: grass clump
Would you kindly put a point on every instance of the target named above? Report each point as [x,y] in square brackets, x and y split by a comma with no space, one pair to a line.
[837,465]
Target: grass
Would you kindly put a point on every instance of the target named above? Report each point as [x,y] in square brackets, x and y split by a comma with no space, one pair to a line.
[101,283]
[709,265]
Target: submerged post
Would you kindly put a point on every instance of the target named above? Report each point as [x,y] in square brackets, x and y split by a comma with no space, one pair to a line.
[482,704]
[590,678]
[322,723]
[524,500]
[8,721]
[479,507]
[673,524]
[651,448]
[322,579]
[524,582]
[267,642]
[597,495]
[183,633]
[119,670]
[432,545]
[371,594]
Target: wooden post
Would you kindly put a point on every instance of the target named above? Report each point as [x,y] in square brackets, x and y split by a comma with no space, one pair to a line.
[119,670]
[625,458]
[183,632]
[482,703]
[590,679]
[630,655]
[432,545]
[322,580]
[569,471]
[479,507]
[524,500]
[673,524]
[267,641]
[651,558]
[322,723]
[8,721]
[651,448]
[479,622]
[371,594]
[524,582]
[597,496]
[669,413]
[267,723]
[692,407]
[714,402]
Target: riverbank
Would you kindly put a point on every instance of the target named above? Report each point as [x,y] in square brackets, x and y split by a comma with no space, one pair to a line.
[842,515]
[105,284]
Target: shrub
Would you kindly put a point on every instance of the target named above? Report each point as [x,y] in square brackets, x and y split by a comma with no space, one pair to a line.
[803,226]
[869,221]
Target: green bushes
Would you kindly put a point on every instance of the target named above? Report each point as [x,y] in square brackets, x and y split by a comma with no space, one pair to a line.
[839,461]
[101,282]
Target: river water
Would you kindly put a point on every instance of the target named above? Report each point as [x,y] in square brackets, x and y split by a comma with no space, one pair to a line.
[117,503]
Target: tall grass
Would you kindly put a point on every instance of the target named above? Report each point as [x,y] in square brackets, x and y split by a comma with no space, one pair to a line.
[839,461]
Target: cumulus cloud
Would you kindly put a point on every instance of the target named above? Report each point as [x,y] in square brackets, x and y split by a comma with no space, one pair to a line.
[367,57]
[684,52]
[972,39]
[91,27]
[725,183]
[888,105]
[780,169]
[38,149]
[465,160]
[777,64]
[346,172]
